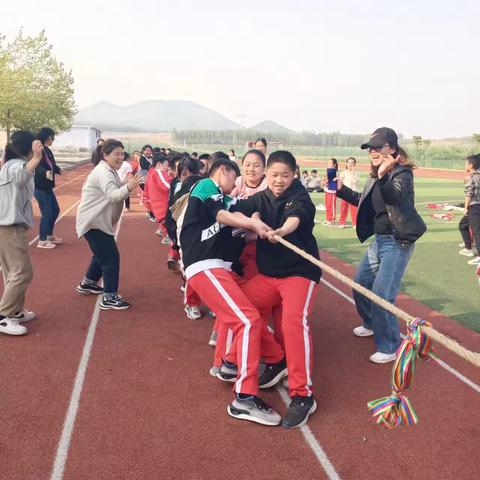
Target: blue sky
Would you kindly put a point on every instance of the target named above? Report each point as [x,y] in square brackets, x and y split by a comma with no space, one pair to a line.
[310,65]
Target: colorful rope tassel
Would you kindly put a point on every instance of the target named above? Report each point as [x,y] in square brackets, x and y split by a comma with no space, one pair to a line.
[396,409]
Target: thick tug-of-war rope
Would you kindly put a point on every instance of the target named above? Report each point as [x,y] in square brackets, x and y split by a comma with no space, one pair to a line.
[396,409]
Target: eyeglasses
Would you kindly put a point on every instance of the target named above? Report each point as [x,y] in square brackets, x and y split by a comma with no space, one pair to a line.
[378,149]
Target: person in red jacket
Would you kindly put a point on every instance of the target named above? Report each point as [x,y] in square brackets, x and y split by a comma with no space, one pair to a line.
[155,195]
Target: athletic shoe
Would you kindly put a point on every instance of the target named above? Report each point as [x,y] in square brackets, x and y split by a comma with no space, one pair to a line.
[362,331]
[298,412]
[213,338]
[54,239]
[253,409]
[474,261]
[46,244]
[9,326]
[342,225]
[193,313]
[326,222]
[228,372]
[159,232]
[166,241]
[24,316]
[213,371]
[466,252]
[151,217]
[379,357]
[85,288]
[172,264]
[114,303]
[461,245]
[211,314]
[272,374]
[182,288]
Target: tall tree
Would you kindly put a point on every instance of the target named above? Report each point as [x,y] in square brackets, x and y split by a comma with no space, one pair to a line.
[35,89]
[476,138]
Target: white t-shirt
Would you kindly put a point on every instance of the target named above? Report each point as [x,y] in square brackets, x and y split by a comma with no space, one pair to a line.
[124,171]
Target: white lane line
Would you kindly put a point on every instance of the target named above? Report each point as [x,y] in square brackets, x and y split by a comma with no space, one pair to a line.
[440,362]
[61,455]
[58,219]
[312,442]
[70,181]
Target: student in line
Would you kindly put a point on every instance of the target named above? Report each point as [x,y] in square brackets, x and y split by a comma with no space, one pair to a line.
[44,194]
[124,173]
[22,156]
[98,213]
[351,179]
[471,216]
[156,193]
[286,280]
[386,210]
[145,163]
[314,182]
[261,144]
[232,156]
[206,242]
[329,187]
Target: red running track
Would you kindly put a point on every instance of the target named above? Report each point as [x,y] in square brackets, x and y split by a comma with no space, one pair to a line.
[150,410]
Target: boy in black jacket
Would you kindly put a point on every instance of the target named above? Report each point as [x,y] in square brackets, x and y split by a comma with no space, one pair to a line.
[285,278]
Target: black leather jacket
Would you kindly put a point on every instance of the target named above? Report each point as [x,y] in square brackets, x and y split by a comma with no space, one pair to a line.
[398,192]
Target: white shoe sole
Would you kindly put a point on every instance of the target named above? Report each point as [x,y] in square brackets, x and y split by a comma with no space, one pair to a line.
[305,420]
[379,362]
[192,317]
[15,333]
[362,335]
[275,380]
[227,380]
[244,415]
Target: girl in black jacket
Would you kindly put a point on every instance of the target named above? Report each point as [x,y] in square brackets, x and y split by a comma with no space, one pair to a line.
[386,210]
[44,185]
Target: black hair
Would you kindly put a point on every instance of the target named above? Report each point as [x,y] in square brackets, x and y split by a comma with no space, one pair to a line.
[216,156]
[97,154]
[189,164]
[19,146]
[163,150]
[232,150]
[314,170]
[146,146]
[194,155]
[169,150]
[158,158]
[282,156]
[204,156]
[226,162]
[474,161]
[261,140]
[100,140]
[256,152]
[126,156]
[174,156]
[44,133]
[335,163]
[109,146]
[156,150]
[351,158]
[304,171]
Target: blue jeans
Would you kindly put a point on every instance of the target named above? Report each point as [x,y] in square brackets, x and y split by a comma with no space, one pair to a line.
[381,271]
[47,201]
[105,261]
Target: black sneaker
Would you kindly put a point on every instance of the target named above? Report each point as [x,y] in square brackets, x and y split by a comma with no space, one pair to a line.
[253,409]
[114,303]
[85,288]
[298,412]
[172,264]
[272,374]
[228,372]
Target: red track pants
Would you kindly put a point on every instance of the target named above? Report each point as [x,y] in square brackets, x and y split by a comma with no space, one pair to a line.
[191,297]
[330,206]
[344,207]
[219,290]
[295,295]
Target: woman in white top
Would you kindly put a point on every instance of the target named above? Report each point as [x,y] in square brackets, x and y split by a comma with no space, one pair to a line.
[351,179]
[99,211]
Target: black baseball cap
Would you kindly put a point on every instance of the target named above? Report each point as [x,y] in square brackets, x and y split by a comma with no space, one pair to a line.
[380,137]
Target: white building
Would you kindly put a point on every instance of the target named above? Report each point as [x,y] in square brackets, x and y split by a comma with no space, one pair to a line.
[78,139]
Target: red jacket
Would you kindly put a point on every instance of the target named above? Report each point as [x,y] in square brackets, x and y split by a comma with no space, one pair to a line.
[155,195]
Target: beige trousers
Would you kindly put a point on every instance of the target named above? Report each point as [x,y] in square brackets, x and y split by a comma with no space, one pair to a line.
[16,268]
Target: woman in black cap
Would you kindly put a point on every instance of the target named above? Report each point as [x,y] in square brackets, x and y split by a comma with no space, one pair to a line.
[386,209]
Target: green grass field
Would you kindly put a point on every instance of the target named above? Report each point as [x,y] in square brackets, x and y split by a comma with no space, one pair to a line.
[437,275]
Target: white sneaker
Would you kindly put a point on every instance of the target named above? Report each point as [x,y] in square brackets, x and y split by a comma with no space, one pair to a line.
[213,338]
[24,316]
[46,244]
[10,326]
[166,241]
[342,225]
[54,239]
[379,357]
[361,331]
[461,245]
[474,261]
[466,252]
[193,313]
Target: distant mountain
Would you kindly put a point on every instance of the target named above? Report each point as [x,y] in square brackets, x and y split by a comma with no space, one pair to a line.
[154,116]
[268,126]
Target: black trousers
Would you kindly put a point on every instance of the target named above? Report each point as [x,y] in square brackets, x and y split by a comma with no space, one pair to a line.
[471,220]
[105,261]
